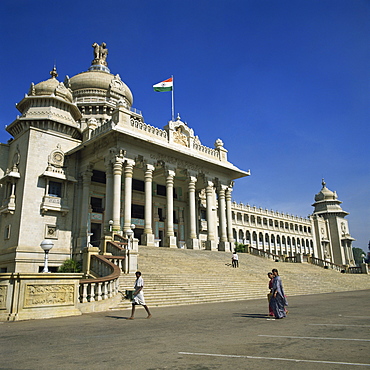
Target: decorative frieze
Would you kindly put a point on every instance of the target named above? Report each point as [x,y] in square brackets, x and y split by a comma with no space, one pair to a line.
[37,295]
[3,294]
[177,162]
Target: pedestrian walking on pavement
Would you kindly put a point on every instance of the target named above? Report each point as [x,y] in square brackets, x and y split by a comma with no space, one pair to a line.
[278,300]
[139,296]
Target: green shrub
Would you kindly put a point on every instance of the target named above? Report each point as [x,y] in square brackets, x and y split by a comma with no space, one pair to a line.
[239,247]
[70,266]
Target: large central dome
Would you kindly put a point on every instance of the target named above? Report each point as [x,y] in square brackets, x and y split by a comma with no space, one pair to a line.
[98,85]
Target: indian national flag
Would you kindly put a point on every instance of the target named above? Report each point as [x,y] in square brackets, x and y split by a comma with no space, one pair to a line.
[166,85]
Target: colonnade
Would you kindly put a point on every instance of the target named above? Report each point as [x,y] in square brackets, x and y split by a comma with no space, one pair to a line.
[219,235]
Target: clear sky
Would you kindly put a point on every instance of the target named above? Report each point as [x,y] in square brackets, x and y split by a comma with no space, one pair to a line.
[285,84]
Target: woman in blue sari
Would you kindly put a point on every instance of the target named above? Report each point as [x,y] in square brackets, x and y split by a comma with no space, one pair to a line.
[278,300]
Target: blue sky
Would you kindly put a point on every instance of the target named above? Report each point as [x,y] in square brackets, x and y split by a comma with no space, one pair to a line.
[285,84]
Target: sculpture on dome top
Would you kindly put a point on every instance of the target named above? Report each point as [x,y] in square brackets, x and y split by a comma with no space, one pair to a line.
[100,53]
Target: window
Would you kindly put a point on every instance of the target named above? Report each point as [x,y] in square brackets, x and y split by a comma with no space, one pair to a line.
[161,190]
[160,214]
[203,214]
[98,176]
[138,211]
[97,205]
[55,189]
[138,185]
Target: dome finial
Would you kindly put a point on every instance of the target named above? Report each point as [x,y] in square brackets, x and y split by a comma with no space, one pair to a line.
[323,183]
[54,73]
[99,62]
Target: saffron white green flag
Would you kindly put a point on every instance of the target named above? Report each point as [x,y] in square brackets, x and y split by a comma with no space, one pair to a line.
[166,85]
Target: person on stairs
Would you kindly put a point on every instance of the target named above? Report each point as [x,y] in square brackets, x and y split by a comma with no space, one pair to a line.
[235,259]
[139,296]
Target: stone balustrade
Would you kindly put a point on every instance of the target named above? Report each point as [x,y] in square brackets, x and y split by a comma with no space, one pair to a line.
[103,287]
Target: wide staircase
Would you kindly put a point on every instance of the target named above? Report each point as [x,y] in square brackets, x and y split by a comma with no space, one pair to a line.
[185,276]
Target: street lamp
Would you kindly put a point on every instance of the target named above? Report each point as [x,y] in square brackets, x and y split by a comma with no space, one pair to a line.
[46,245]
[110,225]
[129,234]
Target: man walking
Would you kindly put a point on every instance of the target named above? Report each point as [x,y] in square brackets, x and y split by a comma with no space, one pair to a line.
[139,296]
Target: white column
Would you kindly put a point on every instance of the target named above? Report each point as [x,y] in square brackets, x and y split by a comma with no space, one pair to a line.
[210,243]
[117,182]
[224,245]
[128,172]
[108,195]
[193,242]
[148,237]
[170,235]
[229,217]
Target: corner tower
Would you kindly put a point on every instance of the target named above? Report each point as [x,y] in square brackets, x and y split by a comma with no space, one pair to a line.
[333,239]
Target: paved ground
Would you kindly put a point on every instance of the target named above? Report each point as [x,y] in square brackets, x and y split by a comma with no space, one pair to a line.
[326,331]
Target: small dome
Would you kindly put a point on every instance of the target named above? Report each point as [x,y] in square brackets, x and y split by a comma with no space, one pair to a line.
[88,84]
[51,87]
[325,193]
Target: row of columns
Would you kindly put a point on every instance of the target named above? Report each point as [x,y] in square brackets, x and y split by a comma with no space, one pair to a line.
[125,166]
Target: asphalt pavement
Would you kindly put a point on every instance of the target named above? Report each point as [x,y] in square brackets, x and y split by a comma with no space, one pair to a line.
[323,331]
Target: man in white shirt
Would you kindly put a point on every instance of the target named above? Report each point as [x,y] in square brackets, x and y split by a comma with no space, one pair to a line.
[235,259]
[139,296]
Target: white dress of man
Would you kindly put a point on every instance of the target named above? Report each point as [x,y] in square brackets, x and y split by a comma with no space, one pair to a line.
[139,298]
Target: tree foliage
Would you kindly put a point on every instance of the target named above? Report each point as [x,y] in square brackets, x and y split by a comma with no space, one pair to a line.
[70,266]
[358,255]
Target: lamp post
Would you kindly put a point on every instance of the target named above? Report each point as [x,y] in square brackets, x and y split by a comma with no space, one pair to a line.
[110,225]
[46,245]
[129,234]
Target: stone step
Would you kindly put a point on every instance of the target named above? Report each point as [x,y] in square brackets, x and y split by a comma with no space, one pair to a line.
[183,276]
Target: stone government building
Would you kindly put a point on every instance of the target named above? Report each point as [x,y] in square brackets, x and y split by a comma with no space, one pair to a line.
[82,163]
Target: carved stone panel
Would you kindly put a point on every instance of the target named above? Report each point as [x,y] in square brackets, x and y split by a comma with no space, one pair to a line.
[3,293]
[44,295]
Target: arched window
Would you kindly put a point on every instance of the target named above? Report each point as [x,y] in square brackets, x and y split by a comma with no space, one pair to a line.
[272,240]
[254,239]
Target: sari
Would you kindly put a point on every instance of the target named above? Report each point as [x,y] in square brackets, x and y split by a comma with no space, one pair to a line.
[279,302]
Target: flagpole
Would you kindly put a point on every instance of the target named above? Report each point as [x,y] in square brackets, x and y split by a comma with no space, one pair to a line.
[173,109]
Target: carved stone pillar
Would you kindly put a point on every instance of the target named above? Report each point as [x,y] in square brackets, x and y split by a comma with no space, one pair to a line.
[224,245]
[148,237]
[193,241]
[117,182]
[128,172]
[210,243]
[229,217]
[170,240]
[108,212]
